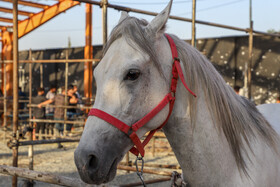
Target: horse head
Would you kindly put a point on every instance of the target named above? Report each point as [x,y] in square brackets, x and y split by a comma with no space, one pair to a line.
[132,78]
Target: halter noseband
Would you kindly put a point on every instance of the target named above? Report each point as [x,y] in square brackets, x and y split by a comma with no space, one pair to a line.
[169,98]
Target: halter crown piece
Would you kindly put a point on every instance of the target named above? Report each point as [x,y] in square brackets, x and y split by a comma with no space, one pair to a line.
[169,98]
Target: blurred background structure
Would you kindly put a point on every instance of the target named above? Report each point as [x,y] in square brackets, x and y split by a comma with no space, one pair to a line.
[249,59]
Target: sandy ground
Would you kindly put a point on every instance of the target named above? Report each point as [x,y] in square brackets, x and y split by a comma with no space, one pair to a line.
[48,158]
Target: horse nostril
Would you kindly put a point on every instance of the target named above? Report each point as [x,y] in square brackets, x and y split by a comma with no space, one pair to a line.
[92,162]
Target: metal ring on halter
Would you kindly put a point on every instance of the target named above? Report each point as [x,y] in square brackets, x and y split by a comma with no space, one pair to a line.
[136,164]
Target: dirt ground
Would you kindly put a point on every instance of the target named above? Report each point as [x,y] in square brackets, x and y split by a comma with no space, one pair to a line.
[48,158]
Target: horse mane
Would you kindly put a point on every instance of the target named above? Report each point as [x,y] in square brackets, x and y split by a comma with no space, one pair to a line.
[235,116]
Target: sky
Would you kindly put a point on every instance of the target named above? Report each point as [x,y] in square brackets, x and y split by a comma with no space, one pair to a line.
[71,25]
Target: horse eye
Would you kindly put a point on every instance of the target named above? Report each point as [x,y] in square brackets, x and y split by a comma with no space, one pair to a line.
[132,74]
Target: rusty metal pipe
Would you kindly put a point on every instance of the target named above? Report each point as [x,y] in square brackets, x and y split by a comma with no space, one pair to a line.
[95,61]
[104,20]
[127,9]
[41,142]
[193,23]
[15,86]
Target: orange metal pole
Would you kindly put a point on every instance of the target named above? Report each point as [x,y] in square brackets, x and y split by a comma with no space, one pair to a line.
[20,12]
[8,20]
[88,53]
[36,20]
[8,55]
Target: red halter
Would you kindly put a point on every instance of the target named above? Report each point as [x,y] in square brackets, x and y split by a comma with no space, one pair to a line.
[169,98]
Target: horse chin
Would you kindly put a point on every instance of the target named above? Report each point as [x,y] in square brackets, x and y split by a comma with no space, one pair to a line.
[112,172]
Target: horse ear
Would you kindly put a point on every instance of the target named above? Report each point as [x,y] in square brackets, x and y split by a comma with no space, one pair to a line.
[158,23]
[123,16]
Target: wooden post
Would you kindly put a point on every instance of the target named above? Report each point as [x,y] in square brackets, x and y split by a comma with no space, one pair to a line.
[104,20]
[193,23]
[127,161]
[15,86]
[43,176]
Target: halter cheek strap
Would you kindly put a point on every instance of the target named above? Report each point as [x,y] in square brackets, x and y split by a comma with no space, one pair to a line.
[169,98]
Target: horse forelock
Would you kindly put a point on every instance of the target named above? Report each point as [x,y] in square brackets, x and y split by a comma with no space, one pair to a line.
[133,31]
[235,116]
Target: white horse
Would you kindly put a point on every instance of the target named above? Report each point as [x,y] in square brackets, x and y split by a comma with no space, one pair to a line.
[272,113]
[219,138]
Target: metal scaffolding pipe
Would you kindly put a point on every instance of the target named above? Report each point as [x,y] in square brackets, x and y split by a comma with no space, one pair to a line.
[30,148]
[59,106]
[58,121]
[150,171]
[147,182]
[52,61]
[5,102]
[127,9]
[250,52]
[193,22]
[250,62]
[41,142]
[15,86]
[104,20]
[165,166]
[66,90]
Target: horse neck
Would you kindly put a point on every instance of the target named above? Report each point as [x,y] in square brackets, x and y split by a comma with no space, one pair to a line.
[202,152]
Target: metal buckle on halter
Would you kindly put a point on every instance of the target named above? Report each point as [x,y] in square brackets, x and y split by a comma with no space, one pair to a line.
[176,59]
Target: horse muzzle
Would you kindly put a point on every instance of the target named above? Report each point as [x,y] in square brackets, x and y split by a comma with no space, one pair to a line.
[94,168]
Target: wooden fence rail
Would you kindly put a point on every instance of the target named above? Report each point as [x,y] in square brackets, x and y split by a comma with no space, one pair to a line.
[43,177]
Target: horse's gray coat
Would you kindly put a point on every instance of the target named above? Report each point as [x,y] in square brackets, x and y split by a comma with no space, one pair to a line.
[219,138]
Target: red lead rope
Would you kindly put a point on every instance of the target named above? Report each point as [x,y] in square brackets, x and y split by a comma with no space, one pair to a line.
[169,98]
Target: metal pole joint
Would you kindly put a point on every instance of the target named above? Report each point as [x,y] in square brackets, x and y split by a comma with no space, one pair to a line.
[103,3]
[13,143]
